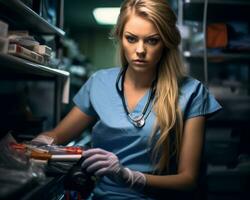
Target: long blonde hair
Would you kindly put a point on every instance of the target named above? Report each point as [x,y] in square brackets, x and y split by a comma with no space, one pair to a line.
[170,72]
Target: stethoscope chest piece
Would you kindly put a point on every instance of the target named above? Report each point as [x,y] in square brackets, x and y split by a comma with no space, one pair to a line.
[138,121]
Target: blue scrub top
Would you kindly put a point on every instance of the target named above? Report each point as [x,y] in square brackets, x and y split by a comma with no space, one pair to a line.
[114,132]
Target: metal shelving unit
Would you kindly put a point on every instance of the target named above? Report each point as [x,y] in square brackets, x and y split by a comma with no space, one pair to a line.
[205,12]
[218,56]
[22,66]
[226,73]
[224,2]
[23,17]
[31,94]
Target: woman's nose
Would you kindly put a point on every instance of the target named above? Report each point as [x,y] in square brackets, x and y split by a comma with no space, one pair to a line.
[140,49]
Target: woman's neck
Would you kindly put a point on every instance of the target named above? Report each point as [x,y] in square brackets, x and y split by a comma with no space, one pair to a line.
[139,79]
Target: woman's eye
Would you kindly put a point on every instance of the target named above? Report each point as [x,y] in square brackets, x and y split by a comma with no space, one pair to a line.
[152,41]
[131,39]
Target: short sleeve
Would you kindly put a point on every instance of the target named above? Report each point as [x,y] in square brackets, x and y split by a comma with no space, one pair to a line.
[198,101]
[83,98]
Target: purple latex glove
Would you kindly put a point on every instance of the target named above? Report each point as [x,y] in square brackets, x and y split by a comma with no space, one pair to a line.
[104,163]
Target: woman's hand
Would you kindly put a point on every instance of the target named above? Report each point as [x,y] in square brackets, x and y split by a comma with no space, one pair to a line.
[104,163]
[100,162]
[43,139]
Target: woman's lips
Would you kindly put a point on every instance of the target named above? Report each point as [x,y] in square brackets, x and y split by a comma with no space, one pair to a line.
[139,62]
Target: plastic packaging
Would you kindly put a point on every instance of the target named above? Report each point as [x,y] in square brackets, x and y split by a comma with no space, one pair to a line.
[16,170]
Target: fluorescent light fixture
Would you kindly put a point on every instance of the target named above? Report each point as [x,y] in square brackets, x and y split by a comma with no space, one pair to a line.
[106,16]
[187,53]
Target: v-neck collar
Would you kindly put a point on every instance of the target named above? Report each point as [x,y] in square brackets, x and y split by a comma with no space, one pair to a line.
[140,104]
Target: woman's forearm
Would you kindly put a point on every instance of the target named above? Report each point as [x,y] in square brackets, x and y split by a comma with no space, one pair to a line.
[182,182]
[70,127]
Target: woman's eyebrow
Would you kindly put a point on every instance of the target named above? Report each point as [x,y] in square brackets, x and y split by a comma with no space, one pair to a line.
[153,35]
[131,34]
[149,36]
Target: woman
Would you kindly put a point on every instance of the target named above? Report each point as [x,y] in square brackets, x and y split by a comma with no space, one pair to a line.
[149,116]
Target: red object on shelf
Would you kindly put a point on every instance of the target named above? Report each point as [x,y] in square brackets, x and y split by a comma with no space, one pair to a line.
[217,35]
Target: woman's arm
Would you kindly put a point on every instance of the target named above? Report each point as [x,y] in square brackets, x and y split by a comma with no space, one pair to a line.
[190,157]
[70,127]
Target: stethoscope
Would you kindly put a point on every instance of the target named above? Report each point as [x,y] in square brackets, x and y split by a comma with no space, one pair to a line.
[137,121]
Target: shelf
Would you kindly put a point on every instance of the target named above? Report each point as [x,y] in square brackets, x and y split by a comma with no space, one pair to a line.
[22,17]
[227,2]
[193,11]
[50,188]
[12,64]
[218,57]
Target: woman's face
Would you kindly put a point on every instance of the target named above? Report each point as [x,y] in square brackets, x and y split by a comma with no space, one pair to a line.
[141,43]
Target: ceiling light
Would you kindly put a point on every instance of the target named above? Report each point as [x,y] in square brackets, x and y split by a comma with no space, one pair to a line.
[106,16]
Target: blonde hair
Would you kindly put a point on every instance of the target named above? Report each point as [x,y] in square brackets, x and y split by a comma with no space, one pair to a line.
[170,72]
